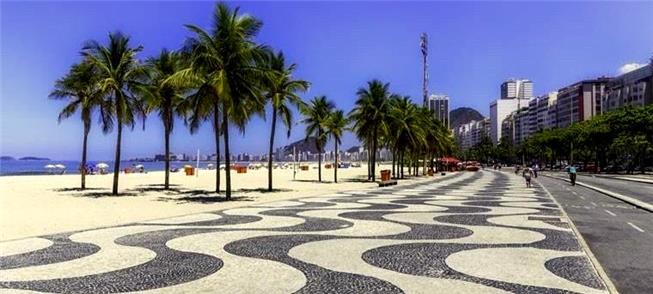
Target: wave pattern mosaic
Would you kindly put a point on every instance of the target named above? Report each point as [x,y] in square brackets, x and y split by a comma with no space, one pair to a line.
[480,232]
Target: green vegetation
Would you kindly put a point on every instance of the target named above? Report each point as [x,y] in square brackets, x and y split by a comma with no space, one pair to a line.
[80,87]
[316,116]
[224,77]
[618,140]
[160,95]
[281,90]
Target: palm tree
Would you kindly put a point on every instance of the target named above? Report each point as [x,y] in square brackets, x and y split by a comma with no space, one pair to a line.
[335,127]
[370,116]
[281,91]
[79,86]
[119,74]
[159,94]
[316,115]
[408,128]
[226,66]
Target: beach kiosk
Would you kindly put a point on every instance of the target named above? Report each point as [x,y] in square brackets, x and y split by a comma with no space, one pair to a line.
[189,170]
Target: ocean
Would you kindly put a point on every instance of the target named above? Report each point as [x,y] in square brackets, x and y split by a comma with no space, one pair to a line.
[37,167]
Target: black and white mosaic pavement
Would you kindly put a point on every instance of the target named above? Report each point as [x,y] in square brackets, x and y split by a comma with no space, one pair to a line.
[480,232]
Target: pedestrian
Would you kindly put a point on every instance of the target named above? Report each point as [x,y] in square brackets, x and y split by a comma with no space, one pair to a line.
[535,170]
[527,174]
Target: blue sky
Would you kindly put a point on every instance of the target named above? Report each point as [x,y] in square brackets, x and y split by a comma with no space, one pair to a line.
[338,46]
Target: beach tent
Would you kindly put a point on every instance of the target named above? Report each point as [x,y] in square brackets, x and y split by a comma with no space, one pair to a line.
[102,167]
[50,167]
[60,166]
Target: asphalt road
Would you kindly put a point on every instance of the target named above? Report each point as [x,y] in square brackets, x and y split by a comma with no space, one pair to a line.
[619,234]
[639,191]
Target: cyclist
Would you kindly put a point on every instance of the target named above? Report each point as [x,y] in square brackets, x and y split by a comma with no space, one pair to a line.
[572,174]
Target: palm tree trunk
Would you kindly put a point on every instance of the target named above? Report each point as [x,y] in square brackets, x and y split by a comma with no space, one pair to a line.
[227,159]
[401,163]
[374,155]
[369,162]
[319,156]
[424,164]
[335,167]
[393,164]
[83,164]
[116,162]
[216,130]
[166,184]
[274,125]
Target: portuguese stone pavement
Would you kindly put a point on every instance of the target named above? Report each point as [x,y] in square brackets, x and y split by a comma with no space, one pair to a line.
[474,232]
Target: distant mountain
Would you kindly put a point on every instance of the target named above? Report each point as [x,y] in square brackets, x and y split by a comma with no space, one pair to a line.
[302,145]
[353,149]
[7,158]
[463,115]
[33,158]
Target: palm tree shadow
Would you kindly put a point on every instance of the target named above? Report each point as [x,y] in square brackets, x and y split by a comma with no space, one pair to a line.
[204,197]
[106,194]
[262,190]
[75,189]
[156,188]
[313,181]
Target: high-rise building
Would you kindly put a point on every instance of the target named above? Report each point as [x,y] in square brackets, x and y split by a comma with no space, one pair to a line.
[632,88]
[515,88]
[439,104]
[521,125]
[499,111]
[470,134]
[580,101]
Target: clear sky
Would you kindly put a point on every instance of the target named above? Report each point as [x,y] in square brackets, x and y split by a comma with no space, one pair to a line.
[338,46]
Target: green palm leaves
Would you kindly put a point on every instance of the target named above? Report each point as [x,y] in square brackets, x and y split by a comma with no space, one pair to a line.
[316,115]
[381,118]
[119,75]
[336,125]
[370,117]
[226,71]
[281,91]
[79,86]
[161,95]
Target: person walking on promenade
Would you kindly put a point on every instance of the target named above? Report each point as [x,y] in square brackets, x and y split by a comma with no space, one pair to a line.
[527,174]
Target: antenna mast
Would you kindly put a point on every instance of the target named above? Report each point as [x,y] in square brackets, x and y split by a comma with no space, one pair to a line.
[424,45]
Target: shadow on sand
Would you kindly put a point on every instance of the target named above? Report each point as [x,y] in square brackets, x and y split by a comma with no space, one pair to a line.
[76,189]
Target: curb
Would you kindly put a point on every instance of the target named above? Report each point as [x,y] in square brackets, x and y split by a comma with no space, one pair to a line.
[624,198]
[623,179]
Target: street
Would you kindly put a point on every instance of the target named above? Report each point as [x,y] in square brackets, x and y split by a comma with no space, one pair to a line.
[474,232]
[619,234]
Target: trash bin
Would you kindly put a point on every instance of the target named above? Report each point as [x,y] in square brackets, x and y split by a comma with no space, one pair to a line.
[385,175]
[189,170]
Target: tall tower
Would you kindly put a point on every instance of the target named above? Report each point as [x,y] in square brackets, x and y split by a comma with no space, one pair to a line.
[424,45]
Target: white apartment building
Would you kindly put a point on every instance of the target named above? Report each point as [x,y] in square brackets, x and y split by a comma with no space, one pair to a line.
[499,111]
[515,88]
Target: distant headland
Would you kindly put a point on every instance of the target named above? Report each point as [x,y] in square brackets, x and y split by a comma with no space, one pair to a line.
[33,158]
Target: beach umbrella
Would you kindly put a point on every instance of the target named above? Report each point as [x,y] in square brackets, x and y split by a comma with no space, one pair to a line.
[49,166]
[60,166]
[102,165]
[138,166]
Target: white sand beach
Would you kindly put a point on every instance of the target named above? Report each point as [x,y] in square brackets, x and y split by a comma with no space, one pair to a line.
[48,204]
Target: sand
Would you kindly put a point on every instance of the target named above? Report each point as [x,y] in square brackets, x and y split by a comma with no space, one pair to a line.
[48,204]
